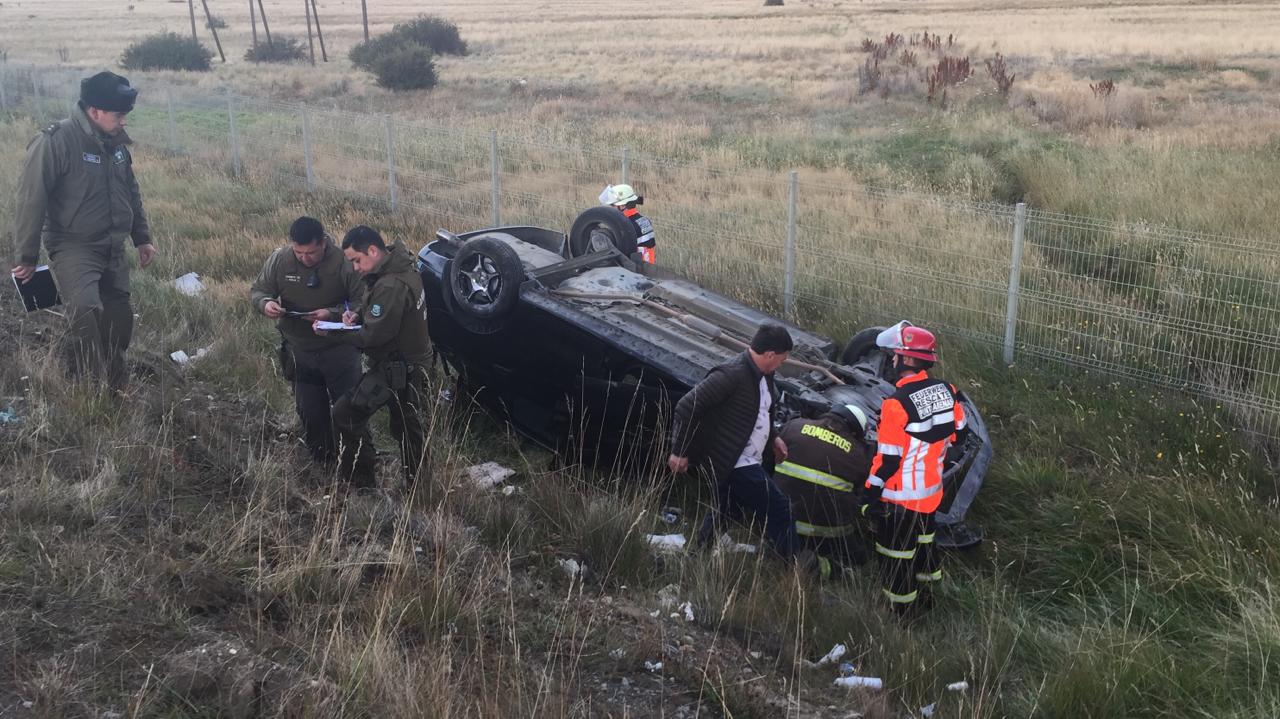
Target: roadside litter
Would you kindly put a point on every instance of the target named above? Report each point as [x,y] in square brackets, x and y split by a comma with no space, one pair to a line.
[860,682]
[833,656]
[726,544]
[687,610]
[653,666]
[670,515]
[572,568]
[669,543]
[9,416]
[183,359]
[488,475]
[928,711]
[189,284]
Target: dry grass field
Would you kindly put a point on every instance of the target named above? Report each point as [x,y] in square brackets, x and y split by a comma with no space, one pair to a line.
[1187,138]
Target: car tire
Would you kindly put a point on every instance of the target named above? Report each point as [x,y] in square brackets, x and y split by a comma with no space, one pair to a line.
[608,221]
[482,282]
[861,344]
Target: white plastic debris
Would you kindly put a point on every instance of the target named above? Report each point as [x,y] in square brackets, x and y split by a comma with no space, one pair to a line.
[189,284]
[617,654]
[184,359]
[669,597]
[666,542]
[833,656]
[727,544]
[957,686]
[488,475]
[687,610]
[928,711]
[509,490]
[571,567]
[653,666]
[860,682]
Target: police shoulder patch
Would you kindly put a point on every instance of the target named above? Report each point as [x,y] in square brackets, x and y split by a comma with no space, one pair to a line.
[376,310]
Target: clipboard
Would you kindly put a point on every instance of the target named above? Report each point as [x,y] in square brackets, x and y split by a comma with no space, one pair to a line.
[39,292]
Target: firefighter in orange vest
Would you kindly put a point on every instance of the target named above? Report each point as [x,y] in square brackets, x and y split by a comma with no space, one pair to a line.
[918,423]
[624,198]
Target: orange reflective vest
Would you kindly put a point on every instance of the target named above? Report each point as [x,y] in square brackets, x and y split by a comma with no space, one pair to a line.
[917,425]
[644,234]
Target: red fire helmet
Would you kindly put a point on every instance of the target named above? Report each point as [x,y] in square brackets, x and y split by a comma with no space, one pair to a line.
[918,342]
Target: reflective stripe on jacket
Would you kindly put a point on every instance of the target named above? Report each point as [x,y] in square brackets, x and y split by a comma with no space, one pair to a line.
[826,463]
[918,423]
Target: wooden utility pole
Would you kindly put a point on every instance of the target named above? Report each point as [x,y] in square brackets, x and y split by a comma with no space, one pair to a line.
[253,23]
[311,43]
[364,15]
[265,27]
[209,19]
[315,12]
[191,10]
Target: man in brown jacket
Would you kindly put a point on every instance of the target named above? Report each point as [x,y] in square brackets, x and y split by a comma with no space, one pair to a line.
[393,336]
[78,196]
[311,280]
[723,428]
[827,463]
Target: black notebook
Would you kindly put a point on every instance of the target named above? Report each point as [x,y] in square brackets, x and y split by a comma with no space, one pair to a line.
[38,292]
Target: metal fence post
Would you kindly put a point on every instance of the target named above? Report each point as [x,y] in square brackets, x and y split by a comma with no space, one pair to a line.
[233,136]
[37,101]
[391,162]
[306,150]
[4,80]
[1015,272]
[626,165]
[789,276]
[493,170]
[173,120]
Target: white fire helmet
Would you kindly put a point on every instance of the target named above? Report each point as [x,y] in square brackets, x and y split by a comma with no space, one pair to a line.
[618,195]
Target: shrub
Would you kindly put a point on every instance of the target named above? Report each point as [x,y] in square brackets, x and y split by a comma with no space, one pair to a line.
[281,49]
[365,55]
[166,51]
[409,67]
[436,33]
[772,3]
[216,23]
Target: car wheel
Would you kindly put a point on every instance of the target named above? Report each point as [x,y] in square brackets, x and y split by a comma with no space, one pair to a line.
[483,279]
[861,344]
[598,228]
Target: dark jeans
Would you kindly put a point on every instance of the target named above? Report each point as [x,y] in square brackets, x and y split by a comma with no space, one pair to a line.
[351,414]
[320,379]
[748,494]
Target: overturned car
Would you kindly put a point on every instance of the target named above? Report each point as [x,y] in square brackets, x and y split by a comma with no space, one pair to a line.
[586,350]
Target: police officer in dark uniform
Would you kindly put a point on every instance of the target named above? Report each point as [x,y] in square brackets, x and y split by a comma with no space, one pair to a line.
[310,280]
[393,335]
[78,195]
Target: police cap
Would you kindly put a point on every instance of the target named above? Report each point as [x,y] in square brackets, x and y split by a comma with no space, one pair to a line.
[108,91]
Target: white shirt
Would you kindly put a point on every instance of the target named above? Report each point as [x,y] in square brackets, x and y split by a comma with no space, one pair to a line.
[753,453]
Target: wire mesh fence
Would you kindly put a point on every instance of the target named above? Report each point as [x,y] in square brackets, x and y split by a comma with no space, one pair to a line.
[1192,312]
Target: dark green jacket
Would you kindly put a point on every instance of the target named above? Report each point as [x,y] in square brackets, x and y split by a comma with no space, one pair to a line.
[394,316]
[284,279]
[77,189]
